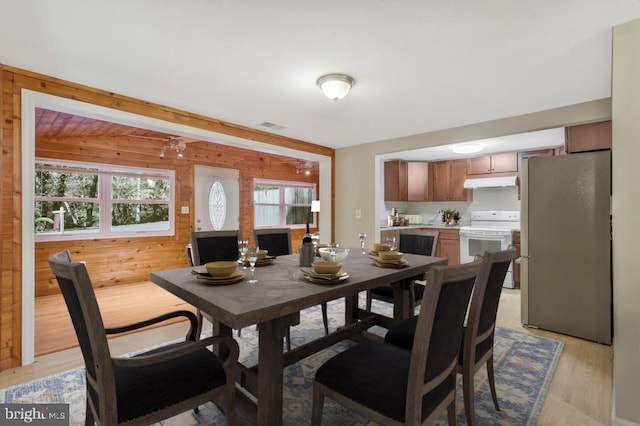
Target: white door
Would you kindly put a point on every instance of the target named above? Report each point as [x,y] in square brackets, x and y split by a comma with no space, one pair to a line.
[216,198]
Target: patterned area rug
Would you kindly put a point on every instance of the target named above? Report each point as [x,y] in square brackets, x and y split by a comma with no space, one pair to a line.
[524,366]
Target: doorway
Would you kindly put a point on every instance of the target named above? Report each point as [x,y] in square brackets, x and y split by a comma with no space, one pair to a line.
[216,199]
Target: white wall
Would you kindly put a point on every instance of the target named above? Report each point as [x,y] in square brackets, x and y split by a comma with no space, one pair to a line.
[359,178]
[626,212]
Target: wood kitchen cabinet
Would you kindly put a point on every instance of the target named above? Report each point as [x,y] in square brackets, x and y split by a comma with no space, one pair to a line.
[418,181]
[448,181]
[395,180]
[516,266]
[588,137]
[502,163]
[449,245]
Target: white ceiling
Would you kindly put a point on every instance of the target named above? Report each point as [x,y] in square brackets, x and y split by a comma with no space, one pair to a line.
[419,66]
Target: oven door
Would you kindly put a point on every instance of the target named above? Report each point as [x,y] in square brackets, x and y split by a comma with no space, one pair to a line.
[475,242]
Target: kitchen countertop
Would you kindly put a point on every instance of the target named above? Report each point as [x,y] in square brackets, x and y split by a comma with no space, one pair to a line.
[438,226]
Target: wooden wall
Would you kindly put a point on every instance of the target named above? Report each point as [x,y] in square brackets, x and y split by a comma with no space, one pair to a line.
[133,256]
[117,261]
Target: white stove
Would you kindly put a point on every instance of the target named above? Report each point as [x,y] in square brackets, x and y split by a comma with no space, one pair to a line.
[489,231]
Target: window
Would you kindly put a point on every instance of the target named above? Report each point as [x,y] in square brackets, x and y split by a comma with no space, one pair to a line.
[84,200]
[278,203]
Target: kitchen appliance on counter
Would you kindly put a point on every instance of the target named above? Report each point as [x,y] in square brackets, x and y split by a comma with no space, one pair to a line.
[566,283]
[489,231]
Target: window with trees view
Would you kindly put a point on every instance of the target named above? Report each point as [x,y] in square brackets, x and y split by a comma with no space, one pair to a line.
[83,200]
[279,203]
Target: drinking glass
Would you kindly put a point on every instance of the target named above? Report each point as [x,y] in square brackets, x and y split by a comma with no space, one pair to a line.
[391,242]
[362,236]
[252,252]
[243,245]
[332,250]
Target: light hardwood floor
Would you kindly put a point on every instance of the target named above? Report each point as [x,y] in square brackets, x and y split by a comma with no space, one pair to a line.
[580,392]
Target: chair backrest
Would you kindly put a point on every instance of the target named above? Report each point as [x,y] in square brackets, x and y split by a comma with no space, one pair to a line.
[439,331]
[418,241]
[276,240]
[483,308]
[212,246]
[82,305]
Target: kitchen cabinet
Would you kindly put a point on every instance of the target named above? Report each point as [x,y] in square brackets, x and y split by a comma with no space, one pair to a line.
[503,163]
[418,181]
[516,266]
[448,181]
[588,137]
[395,180]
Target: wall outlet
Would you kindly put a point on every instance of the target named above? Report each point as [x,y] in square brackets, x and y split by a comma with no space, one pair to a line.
[184,210]
[358,214]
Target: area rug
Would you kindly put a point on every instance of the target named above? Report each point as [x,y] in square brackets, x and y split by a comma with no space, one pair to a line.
[524,366]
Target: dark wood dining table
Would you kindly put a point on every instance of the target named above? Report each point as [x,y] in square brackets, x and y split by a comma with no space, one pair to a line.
[274,303]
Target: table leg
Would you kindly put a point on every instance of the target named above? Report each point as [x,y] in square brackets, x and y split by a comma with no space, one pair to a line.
[351,309]
[402,300]
[270,371]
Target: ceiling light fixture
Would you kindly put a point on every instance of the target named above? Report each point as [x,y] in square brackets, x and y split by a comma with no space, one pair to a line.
[174,144]
[335,86]
[469,148]
[304,166]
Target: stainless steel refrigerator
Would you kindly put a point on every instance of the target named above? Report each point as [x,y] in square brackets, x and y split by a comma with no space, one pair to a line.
[566,244]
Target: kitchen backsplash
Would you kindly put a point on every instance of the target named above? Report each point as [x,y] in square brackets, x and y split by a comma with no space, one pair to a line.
[483,199]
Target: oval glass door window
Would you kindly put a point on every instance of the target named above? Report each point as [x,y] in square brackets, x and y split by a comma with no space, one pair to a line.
[217,205]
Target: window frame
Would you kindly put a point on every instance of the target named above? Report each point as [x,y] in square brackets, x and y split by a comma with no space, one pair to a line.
[281,184]
[105,198]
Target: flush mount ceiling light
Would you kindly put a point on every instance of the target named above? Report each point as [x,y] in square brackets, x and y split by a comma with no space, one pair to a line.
[469,148]
[335,86]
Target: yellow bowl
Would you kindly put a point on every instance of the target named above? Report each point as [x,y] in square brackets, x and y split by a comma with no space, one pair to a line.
[326,267]
[319,246]
[262,254]
[390,255]
[221,268]
[380,247]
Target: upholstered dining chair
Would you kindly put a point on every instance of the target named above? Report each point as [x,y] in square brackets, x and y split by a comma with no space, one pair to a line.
[278,243]
[477,344]
[211,246]
[392,386]
[414,241]
[151,386]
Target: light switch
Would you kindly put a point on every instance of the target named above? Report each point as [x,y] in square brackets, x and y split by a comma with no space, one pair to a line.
[358,214]
[184,209]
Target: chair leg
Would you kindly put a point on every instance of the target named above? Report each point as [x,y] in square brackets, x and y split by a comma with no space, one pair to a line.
[492,382]
[88,417]
[468,396]
[451,413]
[239,332]
[369,300]
[287,337]
[317,406]
[200,320]
[325,318]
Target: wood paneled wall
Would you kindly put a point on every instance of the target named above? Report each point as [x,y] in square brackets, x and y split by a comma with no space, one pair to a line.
[131,256]
[129,260]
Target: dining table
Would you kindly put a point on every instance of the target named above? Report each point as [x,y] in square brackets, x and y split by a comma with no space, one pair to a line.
[274,304]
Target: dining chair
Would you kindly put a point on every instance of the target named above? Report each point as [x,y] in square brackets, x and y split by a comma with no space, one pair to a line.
[211,246]
[392,386]
[414,241]
[477,344]
[153,385]
[277,241]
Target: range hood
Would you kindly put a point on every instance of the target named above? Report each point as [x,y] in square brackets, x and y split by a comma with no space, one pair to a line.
[492,182]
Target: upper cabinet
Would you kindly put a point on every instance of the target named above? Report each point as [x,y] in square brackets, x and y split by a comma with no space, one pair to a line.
[406,181]
[395,180]
[419,184]
[448,181]
[588,137]
[504,163]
